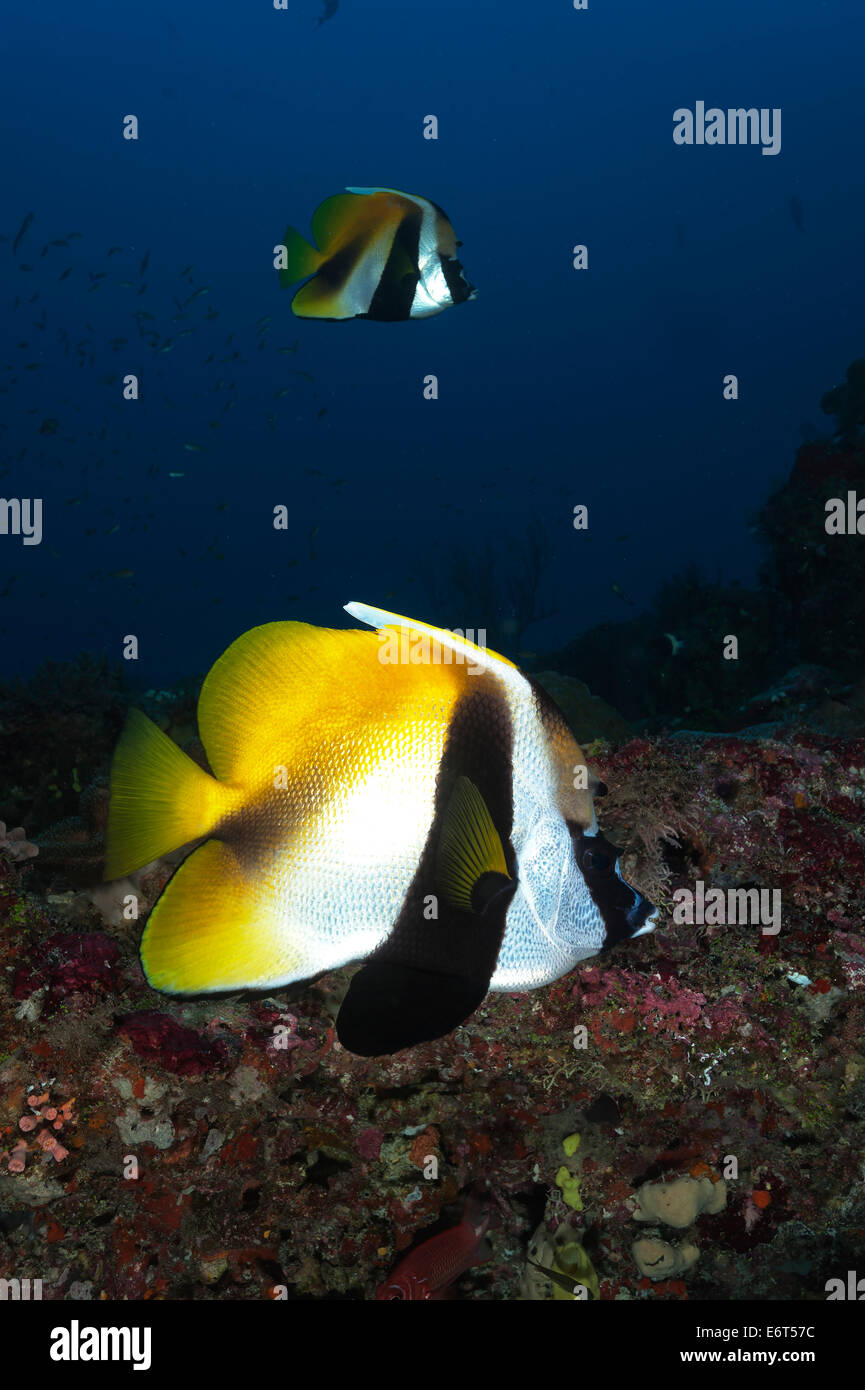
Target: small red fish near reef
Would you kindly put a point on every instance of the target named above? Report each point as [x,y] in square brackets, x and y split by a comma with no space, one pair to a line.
[430,1269]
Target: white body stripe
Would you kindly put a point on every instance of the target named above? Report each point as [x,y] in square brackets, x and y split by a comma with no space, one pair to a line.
[432,293]
[355,864]
[552,920]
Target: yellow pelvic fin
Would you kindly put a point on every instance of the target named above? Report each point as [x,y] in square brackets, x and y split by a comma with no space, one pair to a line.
[160,798]
[319,300]
[214,929]
[469,847]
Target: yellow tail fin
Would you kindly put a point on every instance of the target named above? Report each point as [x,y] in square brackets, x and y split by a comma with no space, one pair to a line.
[160,798]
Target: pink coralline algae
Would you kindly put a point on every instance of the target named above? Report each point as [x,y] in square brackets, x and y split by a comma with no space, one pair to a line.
[595,986]
[284,1037]
[69,963]
[680,1007]
[850,952]
[660,999]
[181,1050]
[725,1015]
[369,1143]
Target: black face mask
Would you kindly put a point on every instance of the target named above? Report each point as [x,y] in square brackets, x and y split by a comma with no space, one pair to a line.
[623,909]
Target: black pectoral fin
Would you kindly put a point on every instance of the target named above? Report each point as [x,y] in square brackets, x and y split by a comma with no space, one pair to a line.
[430,975]
[427,978]
[490,891]
[390,1006]
[435,967]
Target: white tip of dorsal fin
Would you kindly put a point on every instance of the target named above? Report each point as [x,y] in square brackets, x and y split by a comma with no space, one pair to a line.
[362,191]
[365,614]
[481,655]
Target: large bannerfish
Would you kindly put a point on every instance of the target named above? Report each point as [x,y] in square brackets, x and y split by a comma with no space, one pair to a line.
[400,797]
[379,254]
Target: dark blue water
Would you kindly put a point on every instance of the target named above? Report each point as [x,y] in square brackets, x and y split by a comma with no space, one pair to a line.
[556,387]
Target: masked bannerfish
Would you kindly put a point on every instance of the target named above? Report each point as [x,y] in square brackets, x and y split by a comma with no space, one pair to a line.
[381,254]
[401,797]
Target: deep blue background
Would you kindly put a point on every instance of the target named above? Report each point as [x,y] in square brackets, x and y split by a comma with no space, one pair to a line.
[556,387]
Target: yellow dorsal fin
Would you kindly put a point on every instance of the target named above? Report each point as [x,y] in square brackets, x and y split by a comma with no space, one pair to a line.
[332,219]
[408,198]
[481,656]
[469,846]
[264,690]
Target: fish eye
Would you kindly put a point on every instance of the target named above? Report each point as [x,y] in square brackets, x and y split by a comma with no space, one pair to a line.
[596,861]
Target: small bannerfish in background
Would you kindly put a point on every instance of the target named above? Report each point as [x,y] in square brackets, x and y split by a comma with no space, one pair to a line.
[379,254]
[428,1271]
[401,797]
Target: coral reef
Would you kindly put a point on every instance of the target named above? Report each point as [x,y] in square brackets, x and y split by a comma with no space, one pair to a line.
[801,629]
[65,965]
[15,844]
[557,1266]
[588,716]
[667,668]
[847,403]
[53,1117]
[230,1148]
[679,1203]
[819,577]
[657,1259]
[57,731]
